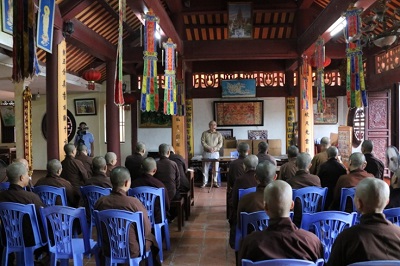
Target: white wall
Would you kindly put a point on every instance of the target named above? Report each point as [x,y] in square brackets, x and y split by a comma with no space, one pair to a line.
[274,121]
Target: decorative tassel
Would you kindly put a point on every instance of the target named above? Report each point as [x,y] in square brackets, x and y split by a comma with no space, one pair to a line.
[170,97]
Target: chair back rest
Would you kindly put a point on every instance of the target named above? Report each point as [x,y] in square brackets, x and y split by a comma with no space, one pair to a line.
[234,154]
[12,217]
[393,215]
[327,225]
[117,224]
[254,221]
[148,195]
[346,195]
[244,191]
[4,186]
[282,262]
[312,198]
[91,194]
[58,222]
[376,263]
[50,194]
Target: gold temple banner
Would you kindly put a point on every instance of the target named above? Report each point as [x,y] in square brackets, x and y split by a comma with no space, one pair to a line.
[306,116]
[290,118]
[27,120]
[62,97]
[178,135]
[189,127]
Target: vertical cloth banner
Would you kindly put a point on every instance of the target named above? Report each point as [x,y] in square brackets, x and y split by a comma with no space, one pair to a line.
[27,120]
[306,116]
[320,60]
[290,117]
[304,73]
[355,84]
[170,105]
[189,128]
[25,62]
[62,97]
[118,94]
[180,97]
[45,25]
[149,93]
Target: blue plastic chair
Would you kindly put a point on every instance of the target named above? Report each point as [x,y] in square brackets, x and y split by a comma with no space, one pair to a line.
[283,262]
[148,195]
[11,216]
[347,193]
[244,191]
[50,194]
[393,215]
[257,220]
[376,263]
[327,225]
[59,223]
[4,186]
[117,224]
[312,198]
[234,154]
[90,195]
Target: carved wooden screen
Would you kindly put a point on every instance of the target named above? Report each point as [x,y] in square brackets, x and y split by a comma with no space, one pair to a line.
[378,123]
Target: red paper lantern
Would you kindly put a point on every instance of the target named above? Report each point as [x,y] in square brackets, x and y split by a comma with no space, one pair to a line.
[327,62]
[129,98]
[91,76]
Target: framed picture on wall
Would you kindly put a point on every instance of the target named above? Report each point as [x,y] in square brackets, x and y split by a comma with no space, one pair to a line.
[330,116]
[85,106]
[239,113]
[240,23]
[227,133]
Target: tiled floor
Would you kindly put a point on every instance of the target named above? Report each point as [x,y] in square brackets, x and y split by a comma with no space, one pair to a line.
[204,238]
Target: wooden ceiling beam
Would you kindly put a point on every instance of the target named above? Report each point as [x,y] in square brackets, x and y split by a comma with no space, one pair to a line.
[175,6]
[225,11]
[90,42]
[240,50]
[114,15]
[305,4]
[71,8]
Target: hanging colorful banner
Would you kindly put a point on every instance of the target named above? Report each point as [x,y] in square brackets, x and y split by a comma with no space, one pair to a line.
[290,118]
[304,73]
[180,97]
[25,62]
[306,116]
[355,84]
[118,93]
[45,25]
[170,105]
[320,61]
[149,93]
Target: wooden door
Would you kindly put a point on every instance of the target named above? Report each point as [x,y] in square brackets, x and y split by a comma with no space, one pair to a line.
[377,123]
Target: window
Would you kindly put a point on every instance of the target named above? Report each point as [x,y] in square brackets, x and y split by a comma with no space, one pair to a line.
[356,119]
[121,124]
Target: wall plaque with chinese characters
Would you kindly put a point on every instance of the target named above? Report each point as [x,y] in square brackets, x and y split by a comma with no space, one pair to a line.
[290,117]
[345,135]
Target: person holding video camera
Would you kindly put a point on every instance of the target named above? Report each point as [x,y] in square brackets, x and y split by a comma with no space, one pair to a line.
[83,136]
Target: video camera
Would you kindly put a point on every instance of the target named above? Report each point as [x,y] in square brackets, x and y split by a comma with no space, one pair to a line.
[81,131]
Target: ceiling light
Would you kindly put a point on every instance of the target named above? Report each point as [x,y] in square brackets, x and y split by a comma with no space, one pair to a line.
[337,26]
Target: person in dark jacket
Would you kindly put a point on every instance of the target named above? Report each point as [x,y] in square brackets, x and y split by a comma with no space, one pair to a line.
[374,238]
[180,162]
[374,165]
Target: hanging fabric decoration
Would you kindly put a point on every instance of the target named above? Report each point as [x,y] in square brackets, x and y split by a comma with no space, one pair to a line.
[180,97]
[149,93]
[355,84]
[170,105]
[118,94]
[25,62]
[304,85]
[320,61]
[27,120]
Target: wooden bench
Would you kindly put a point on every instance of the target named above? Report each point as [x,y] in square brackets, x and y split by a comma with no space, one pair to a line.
[179,206]
[188,196]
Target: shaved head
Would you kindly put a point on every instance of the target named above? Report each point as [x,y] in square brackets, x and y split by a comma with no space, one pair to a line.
[278,199]
[357,161]
[243,148]
[250,162]
[332,152]
[372,195]
[265,172]
[303,161]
